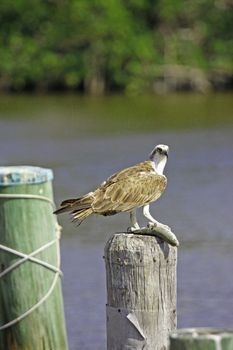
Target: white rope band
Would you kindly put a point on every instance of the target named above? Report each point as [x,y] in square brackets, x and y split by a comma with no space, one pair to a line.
[26,196]
[30,257]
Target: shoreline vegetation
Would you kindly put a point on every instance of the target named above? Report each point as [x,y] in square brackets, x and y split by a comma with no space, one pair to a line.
[104,46]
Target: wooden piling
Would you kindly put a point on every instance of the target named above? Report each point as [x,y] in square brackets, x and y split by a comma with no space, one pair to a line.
[31,306]
[201,338]
[141,292]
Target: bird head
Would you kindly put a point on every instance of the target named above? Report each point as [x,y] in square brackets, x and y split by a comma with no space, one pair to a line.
[159,152]
[159,156]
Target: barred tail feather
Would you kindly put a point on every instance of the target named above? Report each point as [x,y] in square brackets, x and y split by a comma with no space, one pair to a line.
[77,206]
[80,215]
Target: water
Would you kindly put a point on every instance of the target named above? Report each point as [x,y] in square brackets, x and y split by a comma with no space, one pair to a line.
[85,140]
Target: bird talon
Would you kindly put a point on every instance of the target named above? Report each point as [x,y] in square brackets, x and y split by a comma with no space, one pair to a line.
[132,229]
[159,226]
[151,225]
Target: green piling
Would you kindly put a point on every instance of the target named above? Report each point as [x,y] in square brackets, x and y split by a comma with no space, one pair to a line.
[31,305]
[201,338]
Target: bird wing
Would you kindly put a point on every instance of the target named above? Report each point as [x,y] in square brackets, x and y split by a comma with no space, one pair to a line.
[130,188]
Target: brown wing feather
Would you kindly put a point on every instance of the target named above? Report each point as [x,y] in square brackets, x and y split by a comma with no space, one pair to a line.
[131,188]
[131,171]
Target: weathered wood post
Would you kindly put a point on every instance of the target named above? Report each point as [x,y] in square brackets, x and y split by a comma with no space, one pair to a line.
[31,306]
[201,338]
[141,292]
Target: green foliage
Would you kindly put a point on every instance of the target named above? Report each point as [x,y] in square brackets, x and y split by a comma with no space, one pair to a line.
[98,44]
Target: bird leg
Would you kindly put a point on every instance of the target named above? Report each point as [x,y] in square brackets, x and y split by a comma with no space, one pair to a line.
[133,221]
[153,222]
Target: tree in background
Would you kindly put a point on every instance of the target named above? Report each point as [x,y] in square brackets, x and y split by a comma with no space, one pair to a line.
[98,45]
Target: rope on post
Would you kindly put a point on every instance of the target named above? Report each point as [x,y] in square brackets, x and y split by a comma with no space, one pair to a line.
[30,257]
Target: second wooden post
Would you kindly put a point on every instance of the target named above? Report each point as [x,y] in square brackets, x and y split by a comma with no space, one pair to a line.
[141,292]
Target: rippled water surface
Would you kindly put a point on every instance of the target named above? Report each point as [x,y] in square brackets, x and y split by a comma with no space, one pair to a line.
[84,140]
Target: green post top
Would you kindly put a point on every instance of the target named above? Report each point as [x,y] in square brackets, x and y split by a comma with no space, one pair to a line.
[22,174]
[201,333]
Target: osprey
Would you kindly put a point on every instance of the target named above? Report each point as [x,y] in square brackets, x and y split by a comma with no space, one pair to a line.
[125,191]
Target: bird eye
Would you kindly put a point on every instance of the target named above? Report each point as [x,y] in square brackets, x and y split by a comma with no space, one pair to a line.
[159,150]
